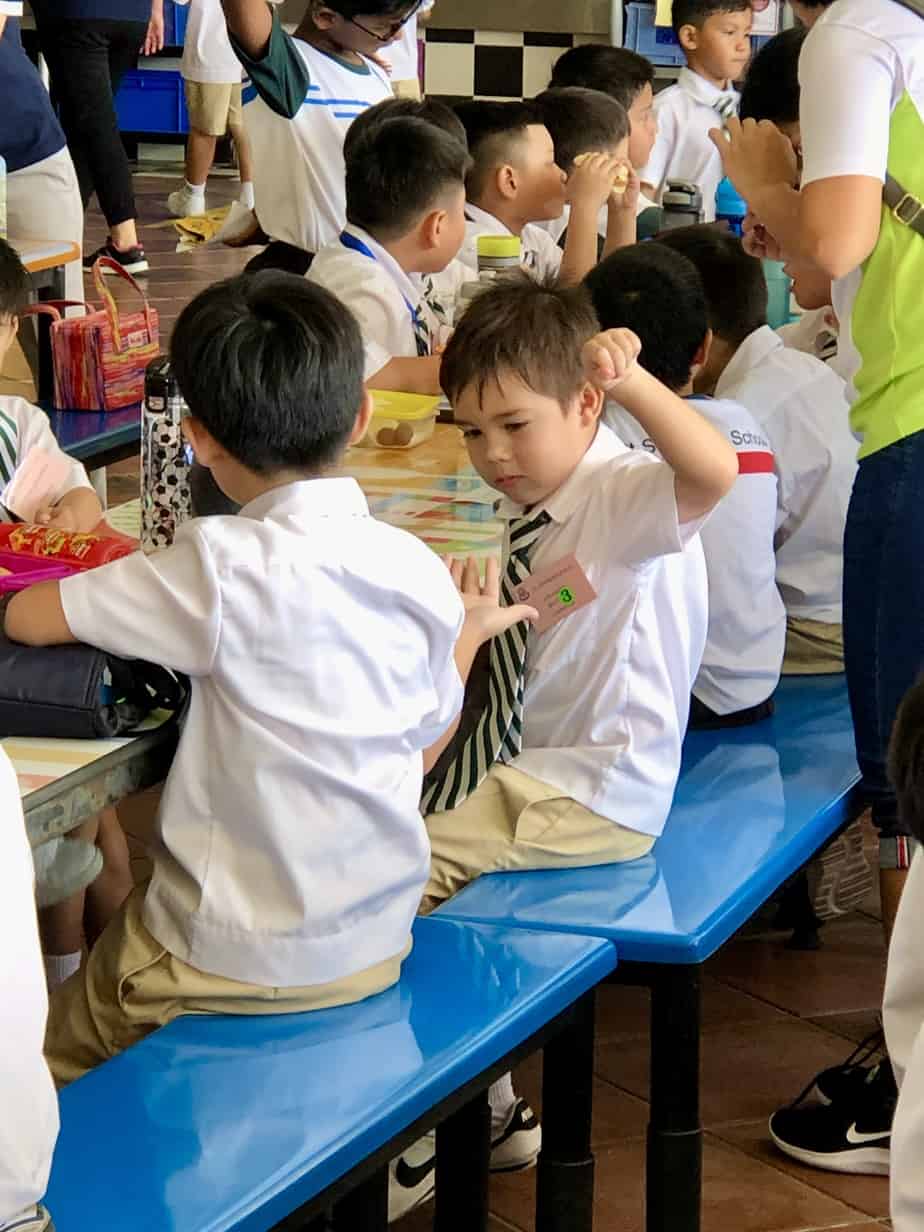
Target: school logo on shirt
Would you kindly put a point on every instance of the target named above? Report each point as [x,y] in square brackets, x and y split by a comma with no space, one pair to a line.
[755,457]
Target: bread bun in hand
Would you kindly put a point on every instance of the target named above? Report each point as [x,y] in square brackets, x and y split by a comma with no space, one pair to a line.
[620,176]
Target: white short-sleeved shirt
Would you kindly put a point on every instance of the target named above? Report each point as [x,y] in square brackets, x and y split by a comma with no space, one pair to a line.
[747,621]
[24,427]
[299,172]
[801,404]
[29,1126]
[607,690]
[540,253]
[862,114]
[381,296]
[320,645]
[207,52]
[903,1019]
[402,54]
[683,150]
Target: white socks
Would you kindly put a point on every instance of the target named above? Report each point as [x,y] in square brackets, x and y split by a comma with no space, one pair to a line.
[60,967]
[502,1101]
[247,198]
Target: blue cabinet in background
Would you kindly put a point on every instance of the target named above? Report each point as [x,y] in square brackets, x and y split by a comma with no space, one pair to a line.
[151,99]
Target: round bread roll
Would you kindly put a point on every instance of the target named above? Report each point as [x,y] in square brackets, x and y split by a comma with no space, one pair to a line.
[620,176]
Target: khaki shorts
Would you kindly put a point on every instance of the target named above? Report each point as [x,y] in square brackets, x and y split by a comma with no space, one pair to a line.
[214,107]
[813,648]
[130,986]
[513,821]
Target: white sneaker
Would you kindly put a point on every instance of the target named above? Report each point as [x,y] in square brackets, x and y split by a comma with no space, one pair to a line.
[412,1177]
[34,1219]
[518,1144]
[184,204]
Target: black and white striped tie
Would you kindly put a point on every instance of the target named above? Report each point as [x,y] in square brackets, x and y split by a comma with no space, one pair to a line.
[498,735]
[726,105]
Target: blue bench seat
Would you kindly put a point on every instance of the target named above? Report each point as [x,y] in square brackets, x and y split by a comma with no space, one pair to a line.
[752,806]
[219,1123]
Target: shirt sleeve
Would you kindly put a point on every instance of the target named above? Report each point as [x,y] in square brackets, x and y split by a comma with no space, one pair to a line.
[548,253]
[847,80]
[642,510]
[35,433]
[281,77]
[384,321]
[447,614]
[165,607]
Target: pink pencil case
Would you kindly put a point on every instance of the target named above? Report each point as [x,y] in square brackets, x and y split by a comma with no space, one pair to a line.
[27,570]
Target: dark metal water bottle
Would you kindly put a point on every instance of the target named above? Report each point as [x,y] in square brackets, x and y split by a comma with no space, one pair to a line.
[165,458]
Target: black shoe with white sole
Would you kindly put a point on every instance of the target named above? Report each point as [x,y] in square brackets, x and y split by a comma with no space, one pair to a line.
[845,1081]
[853,1134]
[132,260]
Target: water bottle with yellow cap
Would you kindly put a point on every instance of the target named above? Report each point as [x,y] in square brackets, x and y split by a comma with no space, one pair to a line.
[498,255]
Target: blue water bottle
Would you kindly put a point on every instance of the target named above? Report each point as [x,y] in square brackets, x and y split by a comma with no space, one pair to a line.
[730,208]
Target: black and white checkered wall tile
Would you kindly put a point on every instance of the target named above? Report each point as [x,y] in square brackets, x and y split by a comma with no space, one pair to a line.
[494,63]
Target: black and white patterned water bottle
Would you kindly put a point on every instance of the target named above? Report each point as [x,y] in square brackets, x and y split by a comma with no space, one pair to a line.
[165,458]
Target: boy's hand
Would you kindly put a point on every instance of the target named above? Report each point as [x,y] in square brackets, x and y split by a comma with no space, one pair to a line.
[484,615]
[58,516]
[611,357]
[591,182]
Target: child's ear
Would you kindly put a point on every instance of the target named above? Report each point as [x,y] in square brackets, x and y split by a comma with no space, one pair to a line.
[204,446]
[363,416]
[323,17]
[506,181]
[701,358]
[590,404]
[688,38]
[431,229]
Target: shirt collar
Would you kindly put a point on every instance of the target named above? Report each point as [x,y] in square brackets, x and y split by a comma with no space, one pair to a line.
[573,492]
[486,222]
[410,285]
[338,497]
[752,352]
[701,89]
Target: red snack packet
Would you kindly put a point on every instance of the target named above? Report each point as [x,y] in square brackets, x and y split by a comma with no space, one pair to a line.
[80,550]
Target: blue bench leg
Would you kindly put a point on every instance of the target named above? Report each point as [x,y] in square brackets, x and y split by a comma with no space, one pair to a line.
[463,1158]
[675,1135]
[364,1207]
[565,1182]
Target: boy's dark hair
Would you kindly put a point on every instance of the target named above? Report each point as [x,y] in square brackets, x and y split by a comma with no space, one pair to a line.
[491,129]
[906,759]
[616,71]
[656,293]
[734,283]
[697,12]
[368,8]
[397,171]
[429,109]
[525,329]
[581,122]
[771,88]
[15,284]
[272,366]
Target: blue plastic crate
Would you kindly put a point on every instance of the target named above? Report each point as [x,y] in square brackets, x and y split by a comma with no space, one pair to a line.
[657,43]
[152,101]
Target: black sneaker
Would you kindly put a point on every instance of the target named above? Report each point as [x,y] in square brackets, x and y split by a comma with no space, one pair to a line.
[132,260]
[844,1081]
[853,1135]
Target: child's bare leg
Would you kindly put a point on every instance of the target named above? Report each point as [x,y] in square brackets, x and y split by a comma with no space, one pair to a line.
[244,162]
[61,925]
[200,154]
[114,884]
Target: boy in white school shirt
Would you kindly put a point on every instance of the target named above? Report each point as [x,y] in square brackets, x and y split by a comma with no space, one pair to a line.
[303,92]
[29,1127]
[515,183]
[405,188]
[716,39]
[291,852]
[801,404]
[658,294]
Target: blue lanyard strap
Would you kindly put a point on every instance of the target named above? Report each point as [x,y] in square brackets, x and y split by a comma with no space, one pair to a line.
[420,327]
